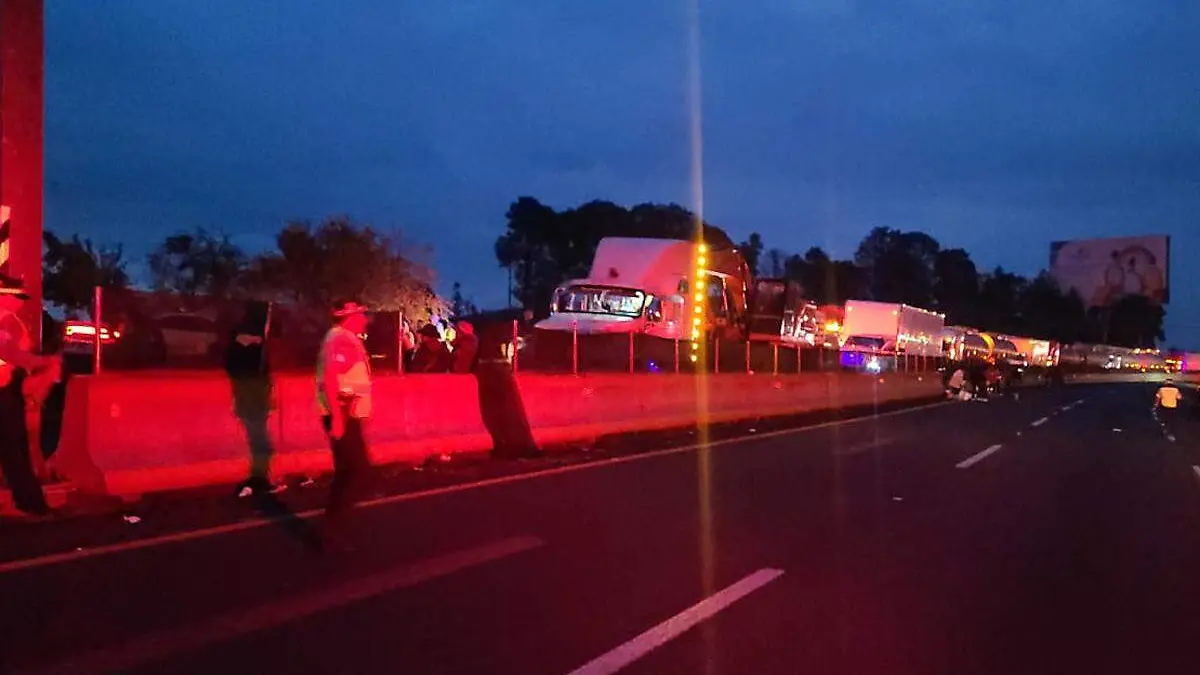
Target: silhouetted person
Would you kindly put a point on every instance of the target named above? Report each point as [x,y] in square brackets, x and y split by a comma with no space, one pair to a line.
[466,348]
[977,374]
[1057,377]
[50,430]
[432,355]
[500,402]
[20,370]
[527,323]
[250,381]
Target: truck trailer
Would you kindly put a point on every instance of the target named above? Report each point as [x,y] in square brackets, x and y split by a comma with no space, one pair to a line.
[892,328]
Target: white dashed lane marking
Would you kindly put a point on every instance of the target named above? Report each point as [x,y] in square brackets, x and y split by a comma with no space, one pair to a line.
[978,457]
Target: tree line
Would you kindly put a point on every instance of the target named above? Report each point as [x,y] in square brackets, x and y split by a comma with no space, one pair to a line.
[310,267]
[542,247]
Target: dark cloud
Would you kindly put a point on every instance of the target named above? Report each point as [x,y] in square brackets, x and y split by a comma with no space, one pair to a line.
[997,126]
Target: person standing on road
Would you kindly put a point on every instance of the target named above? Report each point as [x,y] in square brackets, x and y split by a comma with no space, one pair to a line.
[1166,401]
[249,373]
[344,397]
[20,370]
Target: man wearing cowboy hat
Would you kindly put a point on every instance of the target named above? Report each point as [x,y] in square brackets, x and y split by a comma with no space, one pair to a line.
[344,397]
[18,364]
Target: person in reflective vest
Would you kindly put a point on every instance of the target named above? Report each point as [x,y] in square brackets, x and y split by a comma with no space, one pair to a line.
[1166,401]
[344,399]
[20,371]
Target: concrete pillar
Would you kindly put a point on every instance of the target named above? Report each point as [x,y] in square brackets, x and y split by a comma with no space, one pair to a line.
[22,47]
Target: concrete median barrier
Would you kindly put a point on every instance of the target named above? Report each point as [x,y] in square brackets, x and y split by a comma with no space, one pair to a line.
[1129,378]
[134,433]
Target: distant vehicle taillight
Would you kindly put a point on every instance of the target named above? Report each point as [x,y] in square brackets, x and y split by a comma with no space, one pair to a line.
[77,331]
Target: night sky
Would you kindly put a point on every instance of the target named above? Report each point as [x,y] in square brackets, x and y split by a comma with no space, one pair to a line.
[997,126]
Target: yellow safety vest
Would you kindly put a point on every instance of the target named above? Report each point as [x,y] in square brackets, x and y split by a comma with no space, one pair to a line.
[1168,397]
[355,382]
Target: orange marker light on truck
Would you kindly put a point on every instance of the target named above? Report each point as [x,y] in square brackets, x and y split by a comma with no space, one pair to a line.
[698,309]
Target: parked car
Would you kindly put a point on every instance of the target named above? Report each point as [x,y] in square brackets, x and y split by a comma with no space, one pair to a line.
[188,336]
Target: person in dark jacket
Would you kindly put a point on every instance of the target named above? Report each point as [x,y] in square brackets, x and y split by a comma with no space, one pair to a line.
[466,347]
[432,354]
[500,404]
[250,380]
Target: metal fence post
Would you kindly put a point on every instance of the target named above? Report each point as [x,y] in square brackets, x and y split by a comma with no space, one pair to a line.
[400,343]
[774,358]
[717,354]
[98,327]
[630,352]
[676,356]
[748,370]
[574,347]
[515,351]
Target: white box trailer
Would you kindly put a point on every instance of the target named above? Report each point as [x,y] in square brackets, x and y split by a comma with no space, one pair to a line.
[1035,352]
[894,327]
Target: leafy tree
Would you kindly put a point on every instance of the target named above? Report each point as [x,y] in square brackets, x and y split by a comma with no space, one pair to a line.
[1133,321]
[956,286]
[197,263]
[315,266]
[1000,302]
[825,280]
[752,250]
[460,305]
[899,265]
[776,260]
[1050,314]
[73,268]
[542,247]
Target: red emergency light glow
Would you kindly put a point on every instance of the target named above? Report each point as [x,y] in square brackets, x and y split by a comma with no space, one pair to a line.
[87,330]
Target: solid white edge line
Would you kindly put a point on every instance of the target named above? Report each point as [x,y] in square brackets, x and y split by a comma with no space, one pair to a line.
[1039,423]
[178,537]
[978,457]
[643,644]
[158,646]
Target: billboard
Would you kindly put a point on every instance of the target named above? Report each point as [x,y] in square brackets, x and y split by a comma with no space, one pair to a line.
[1103,271]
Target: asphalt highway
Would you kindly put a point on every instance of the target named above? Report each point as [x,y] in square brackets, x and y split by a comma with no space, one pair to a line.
[1057,533]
